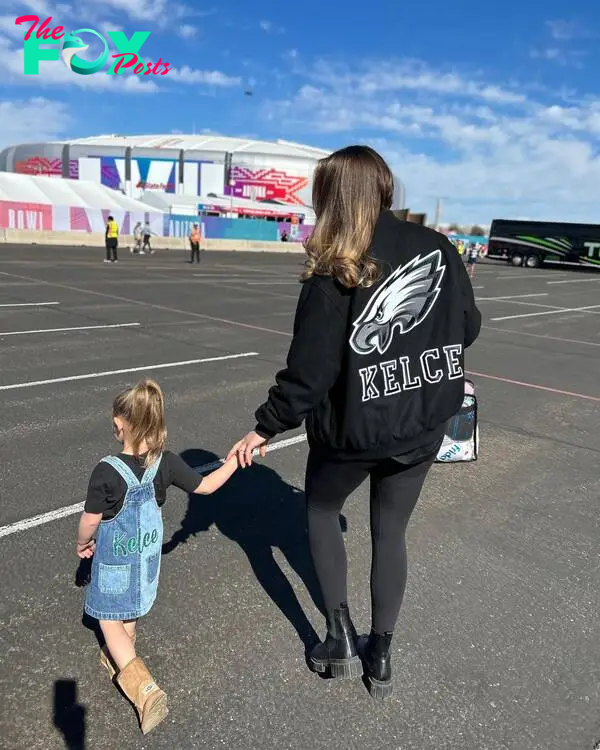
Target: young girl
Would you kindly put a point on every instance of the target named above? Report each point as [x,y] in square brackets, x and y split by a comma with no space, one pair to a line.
[121,527]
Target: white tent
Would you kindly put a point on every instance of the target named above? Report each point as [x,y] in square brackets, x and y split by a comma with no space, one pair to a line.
[24,188]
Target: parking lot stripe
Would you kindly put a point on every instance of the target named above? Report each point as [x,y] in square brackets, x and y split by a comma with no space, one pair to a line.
[132,301]
[516,296]
[74,328]
[91,375]
[29,304]
[69,510]
[547,312]
[535,386]
[573,281]
[541,336]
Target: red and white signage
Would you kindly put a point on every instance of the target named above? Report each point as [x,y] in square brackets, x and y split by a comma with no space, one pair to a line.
[32,217]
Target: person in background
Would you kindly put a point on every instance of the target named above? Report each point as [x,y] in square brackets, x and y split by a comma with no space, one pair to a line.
[284,236]
[376,367]
[146,233]
[112,240]
[472,256]
[195,237]
[137,236]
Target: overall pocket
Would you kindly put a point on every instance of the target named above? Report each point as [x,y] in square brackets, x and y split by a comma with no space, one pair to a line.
[152,566]
[114,579]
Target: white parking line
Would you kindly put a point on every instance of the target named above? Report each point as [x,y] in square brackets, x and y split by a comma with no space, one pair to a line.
[516,296]
[272,283]
[30,304]
[541,336]
[69,510]
[531,277]
[60,330]
[547,312]
[91,375]
[573,281]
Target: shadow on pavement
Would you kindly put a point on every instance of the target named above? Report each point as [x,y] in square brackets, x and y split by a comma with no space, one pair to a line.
[259,511]
[69,715]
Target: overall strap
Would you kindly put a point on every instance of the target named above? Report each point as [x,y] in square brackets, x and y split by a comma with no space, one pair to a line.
[150,472]
[121,468]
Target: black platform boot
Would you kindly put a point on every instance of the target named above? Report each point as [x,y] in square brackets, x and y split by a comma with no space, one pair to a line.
[375,652]
[338,654]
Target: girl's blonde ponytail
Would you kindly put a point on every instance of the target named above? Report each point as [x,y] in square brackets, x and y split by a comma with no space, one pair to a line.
[143,408]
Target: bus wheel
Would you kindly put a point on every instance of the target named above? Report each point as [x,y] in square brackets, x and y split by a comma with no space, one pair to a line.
[516,259]
[533,261]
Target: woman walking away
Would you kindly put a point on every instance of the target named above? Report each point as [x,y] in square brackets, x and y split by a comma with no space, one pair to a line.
[376,367]
[122,529]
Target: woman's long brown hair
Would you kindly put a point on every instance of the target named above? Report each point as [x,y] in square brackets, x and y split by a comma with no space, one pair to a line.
[143,408]
[350,189]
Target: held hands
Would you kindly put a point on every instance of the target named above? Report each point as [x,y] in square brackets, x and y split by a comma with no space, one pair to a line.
[244,447]
[86,550]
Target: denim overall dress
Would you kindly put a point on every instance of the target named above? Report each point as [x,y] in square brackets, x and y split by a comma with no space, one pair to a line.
[126,563]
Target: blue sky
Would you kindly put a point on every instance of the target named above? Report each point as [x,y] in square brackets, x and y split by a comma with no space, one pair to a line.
[493,107]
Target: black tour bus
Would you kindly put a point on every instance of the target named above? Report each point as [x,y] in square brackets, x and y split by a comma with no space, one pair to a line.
[535,243]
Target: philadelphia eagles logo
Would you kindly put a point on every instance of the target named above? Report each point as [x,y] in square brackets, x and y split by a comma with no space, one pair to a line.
[403,301]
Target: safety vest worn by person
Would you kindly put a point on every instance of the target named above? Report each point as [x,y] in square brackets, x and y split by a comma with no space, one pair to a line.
[112,229]
[195,234]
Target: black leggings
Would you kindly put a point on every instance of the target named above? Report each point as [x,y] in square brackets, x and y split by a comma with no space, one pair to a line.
[395,490]
[195,251]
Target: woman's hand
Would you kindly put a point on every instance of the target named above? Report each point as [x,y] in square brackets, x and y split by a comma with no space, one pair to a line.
[244,447]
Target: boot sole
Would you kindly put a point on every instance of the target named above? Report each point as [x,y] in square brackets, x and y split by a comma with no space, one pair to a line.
[155,711]
[342,669]
[379,691]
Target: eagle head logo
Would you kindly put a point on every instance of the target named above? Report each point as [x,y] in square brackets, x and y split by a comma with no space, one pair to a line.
[402,302]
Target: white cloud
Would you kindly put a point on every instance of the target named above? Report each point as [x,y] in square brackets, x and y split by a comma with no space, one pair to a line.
[187,31]
[412,75]
[492,149]
[8,27]
[563,30]
[209,77]
[563,57]
[40,119]
[266,26]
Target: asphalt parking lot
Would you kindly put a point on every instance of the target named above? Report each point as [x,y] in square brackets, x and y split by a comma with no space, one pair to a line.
[497,645]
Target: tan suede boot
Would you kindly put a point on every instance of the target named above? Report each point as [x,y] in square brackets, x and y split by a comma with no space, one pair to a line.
[150,701]
[107,662]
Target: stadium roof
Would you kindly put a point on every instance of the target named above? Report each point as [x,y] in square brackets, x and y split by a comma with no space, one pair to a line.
[25,188]
[217,143]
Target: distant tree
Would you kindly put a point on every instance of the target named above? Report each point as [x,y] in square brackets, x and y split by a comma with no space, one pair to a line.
[477,230]
[454,229]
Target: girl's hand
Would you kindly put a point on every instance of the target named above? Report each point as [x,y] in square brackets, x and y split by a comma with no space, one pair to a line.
[244,447]
[86,550]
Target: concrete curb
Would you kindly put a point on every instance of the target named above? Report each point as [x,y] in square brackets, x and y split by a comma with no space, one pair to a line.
[80,239]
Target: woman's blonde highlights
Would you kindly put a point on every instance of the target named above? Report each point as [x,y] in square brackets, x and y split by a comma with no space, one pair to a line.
[143,408]
[350,189]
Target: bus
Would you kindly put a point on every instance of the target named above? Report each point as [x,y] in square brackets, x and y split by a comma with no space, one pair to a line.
[536,243]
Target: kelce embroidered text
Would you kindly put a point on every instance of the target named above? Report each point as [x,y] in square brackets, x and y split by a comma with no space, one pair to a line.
[124,545]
